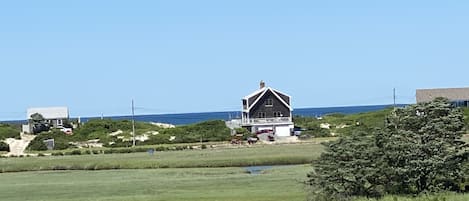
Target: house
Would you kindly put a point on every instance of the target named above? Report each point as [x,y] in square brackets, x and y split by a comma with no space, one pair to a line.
[55,117]
[458,96]
[267,109]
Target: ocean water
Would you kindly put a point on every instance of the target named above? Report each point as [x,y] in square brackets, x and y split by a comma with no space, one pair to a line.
[190,118]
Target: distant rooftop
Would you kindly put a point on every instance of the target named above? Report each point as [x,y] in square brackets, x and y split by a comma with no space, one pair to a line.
[49,112]
[453,94]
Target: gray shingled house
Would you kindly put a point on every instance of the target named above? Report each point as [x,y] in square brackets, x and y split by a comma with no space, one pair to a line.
[458,96]
[267,109]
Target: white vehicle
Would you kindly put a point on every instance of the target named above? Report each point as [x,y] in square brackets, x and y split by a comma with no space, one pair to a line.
[67,130]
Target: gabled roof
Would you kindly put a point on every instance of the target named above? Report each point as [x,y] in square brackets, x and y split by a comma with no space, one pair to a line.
[261,90]
[264,90]
[453,94]
[49,112]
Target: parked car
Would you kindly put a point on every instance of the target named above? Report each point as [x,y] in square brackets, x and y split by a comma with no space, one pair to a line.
[68,131]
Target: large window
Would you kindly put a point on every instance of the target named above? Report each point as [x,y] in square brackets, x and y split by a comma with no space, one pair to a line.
[461,103]
[261,115]
[278,114]
[269,102]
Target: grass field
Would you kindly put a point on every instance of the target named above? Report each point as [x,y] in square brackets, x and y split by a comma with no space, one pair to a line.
[209,174]
[227,157]
[221,184]
[175,184]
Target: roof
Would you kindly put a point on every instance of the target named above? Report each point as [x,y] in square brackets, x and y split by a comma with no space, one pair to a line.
[453,94]
[262,91]
[49,112]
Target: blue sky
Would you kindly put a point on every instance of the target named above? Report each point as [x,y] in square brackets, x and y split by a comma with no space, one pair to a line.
[195,56]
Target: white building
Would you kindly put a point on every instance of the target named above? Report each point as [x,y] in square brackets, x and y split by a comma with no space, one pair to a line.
[54,116]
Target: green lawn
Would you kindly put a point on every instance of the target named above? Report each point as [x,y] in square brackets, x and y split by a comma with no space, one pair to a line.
[227,157]
[175,184]
[221,184]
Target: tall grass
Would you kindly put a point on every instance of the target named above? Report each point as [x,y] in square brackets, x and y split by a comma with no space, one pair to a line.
[228,157]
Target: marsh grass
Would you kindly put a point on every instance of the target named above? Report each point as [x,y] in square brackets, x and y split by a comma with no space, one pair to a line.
[284,154]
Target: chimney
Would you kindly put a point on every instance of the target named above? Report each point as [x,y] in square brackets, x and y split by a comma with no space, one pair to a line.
[262,84]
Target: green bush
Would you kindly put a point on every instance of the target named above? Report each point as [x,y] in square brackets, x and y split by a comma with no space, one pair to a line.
[61,141]
[206,131]
[4,146]
[37,145]
[9,131]
[161,148]
[57,153]
[74,152]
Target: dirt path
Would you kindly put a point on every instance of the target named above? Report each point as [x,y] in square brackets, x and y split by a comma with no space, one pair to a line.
[17,147]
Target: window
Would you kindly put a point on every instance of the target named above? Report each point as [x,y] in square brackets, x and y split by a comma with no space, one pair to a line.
[278,114]
[269,102]
[59,122]
[261,115]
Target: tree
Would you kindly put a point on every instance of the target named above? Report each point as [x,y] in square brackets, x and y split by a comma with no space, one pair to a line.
[422,148]
[419,150]
[39,123]
[346,168]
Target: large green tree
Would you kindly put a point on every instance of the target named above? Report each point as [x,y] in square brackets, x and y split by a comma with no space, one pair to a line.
[346,168]
[38,123]
[422,148]
[419,150]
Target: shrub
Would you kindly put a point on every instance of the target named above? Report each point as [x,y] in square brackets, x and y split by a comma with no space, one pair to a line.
[37,145]
[57,154]
[9,131]
[75,152]
[61,145]
[205,131]
[4,146]
[61,141]
[161,148]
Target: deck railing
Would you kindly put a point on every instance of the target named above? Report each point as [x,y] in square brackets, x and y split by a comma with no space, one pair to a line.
[267,120]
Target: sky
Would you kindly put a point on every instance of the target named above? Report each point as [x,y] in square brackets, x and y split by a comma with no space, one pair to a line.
[180,56]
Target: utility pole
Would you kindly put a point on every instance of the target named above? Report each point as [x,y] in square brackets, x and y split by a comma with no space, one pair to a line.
[394,109]
[133,124]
